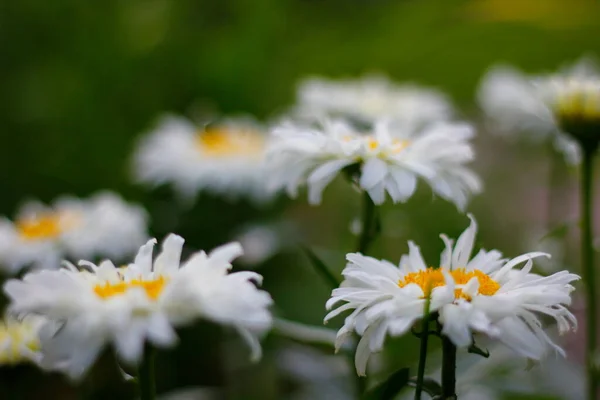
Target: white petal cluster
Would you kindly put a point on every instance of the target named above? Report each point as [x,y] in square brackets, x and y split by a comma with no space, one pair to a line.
[19,340]
[483,294]
[390,159]
[103,225]
[370,99]
[517,103]
[226,160]
[143,301]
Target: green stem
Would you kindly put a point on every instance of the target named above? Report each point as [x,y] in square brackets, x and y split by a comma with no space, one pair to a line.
[422,357]
[448,369]
[554,177]
[587,261]
[146,382]
[369,224]
[369,230]
[361,383]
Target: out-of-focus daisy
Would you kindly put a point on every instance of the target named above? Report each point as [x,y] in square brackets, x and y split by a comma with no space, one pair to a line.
[483,294]
[387,159]
[19,340]
[315,374]
[371,98]
[502,375]
[263,241]
[138,303]
[546,107]
[226,159]
[103,225]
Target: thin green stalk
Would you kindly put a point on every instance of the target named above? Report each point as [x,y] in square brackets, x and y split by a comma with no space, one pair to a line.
[555,169]
[146,381]
[448,369]
[587,261]
[360,382]
[369,224]
[369,230]
[422,356]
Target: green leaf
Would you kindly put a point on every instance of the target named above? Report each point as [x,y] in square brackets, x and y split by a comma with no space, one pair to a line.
[430,386]
[321,268]
[389,388]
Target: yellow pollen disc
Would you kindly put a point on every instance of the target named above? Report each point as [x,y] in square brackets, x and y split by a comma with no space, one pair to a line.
[396,147]
[579,103]
[372,143]
[431,278]
[44,226]
[399,145]
[223,142]
[153,288]
[13,337]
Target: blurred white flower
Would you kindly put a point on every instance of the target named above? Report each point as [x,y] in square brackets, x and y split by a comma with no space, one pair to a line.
[194,393]
[226,159]
[482,294]
[543,106]
[103,225]
[139,302]
[19,340]
[318,375]
[540,240]
[260,242]
[372,98]
[388,159]
[502,375]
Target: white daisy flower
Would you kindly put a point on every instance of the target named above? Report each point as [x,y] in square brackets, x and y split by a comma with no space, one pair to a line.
[140,302]
[103,225]
[483,294]
[372,98]
[226,159]
[388,160]
[19,340]
[543,106]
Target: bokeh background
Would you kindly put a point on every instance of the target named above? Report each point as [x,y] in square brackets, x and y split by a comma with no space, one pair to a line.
[80,81]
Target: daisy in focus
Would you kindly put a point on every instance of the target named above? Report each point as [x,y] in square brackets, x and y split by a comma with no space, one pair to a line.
[103,225]
[19,340]
[372,98]
[481,294]
[142,302]
[226,159]
[546,107]
[384,160]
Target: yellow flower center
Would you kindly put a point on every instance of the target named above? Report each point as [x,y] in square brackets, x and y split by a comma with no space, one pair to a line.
[227,142]
[47,225]
[431,278]
[396,147]
[153,287]
[579,102]
[13,337]
[44,226]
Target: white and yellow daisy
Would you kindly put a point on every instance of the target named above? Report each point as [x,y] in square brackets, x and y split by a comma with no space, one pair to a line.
[20,340]
[103,225]
[226,159]
[138,303]
[370,99]
[546,107]
[389,160]
[483,294]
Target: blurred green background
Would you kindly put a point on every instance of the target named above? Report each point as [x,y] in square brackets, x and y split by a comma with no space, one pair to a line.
[81,80]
